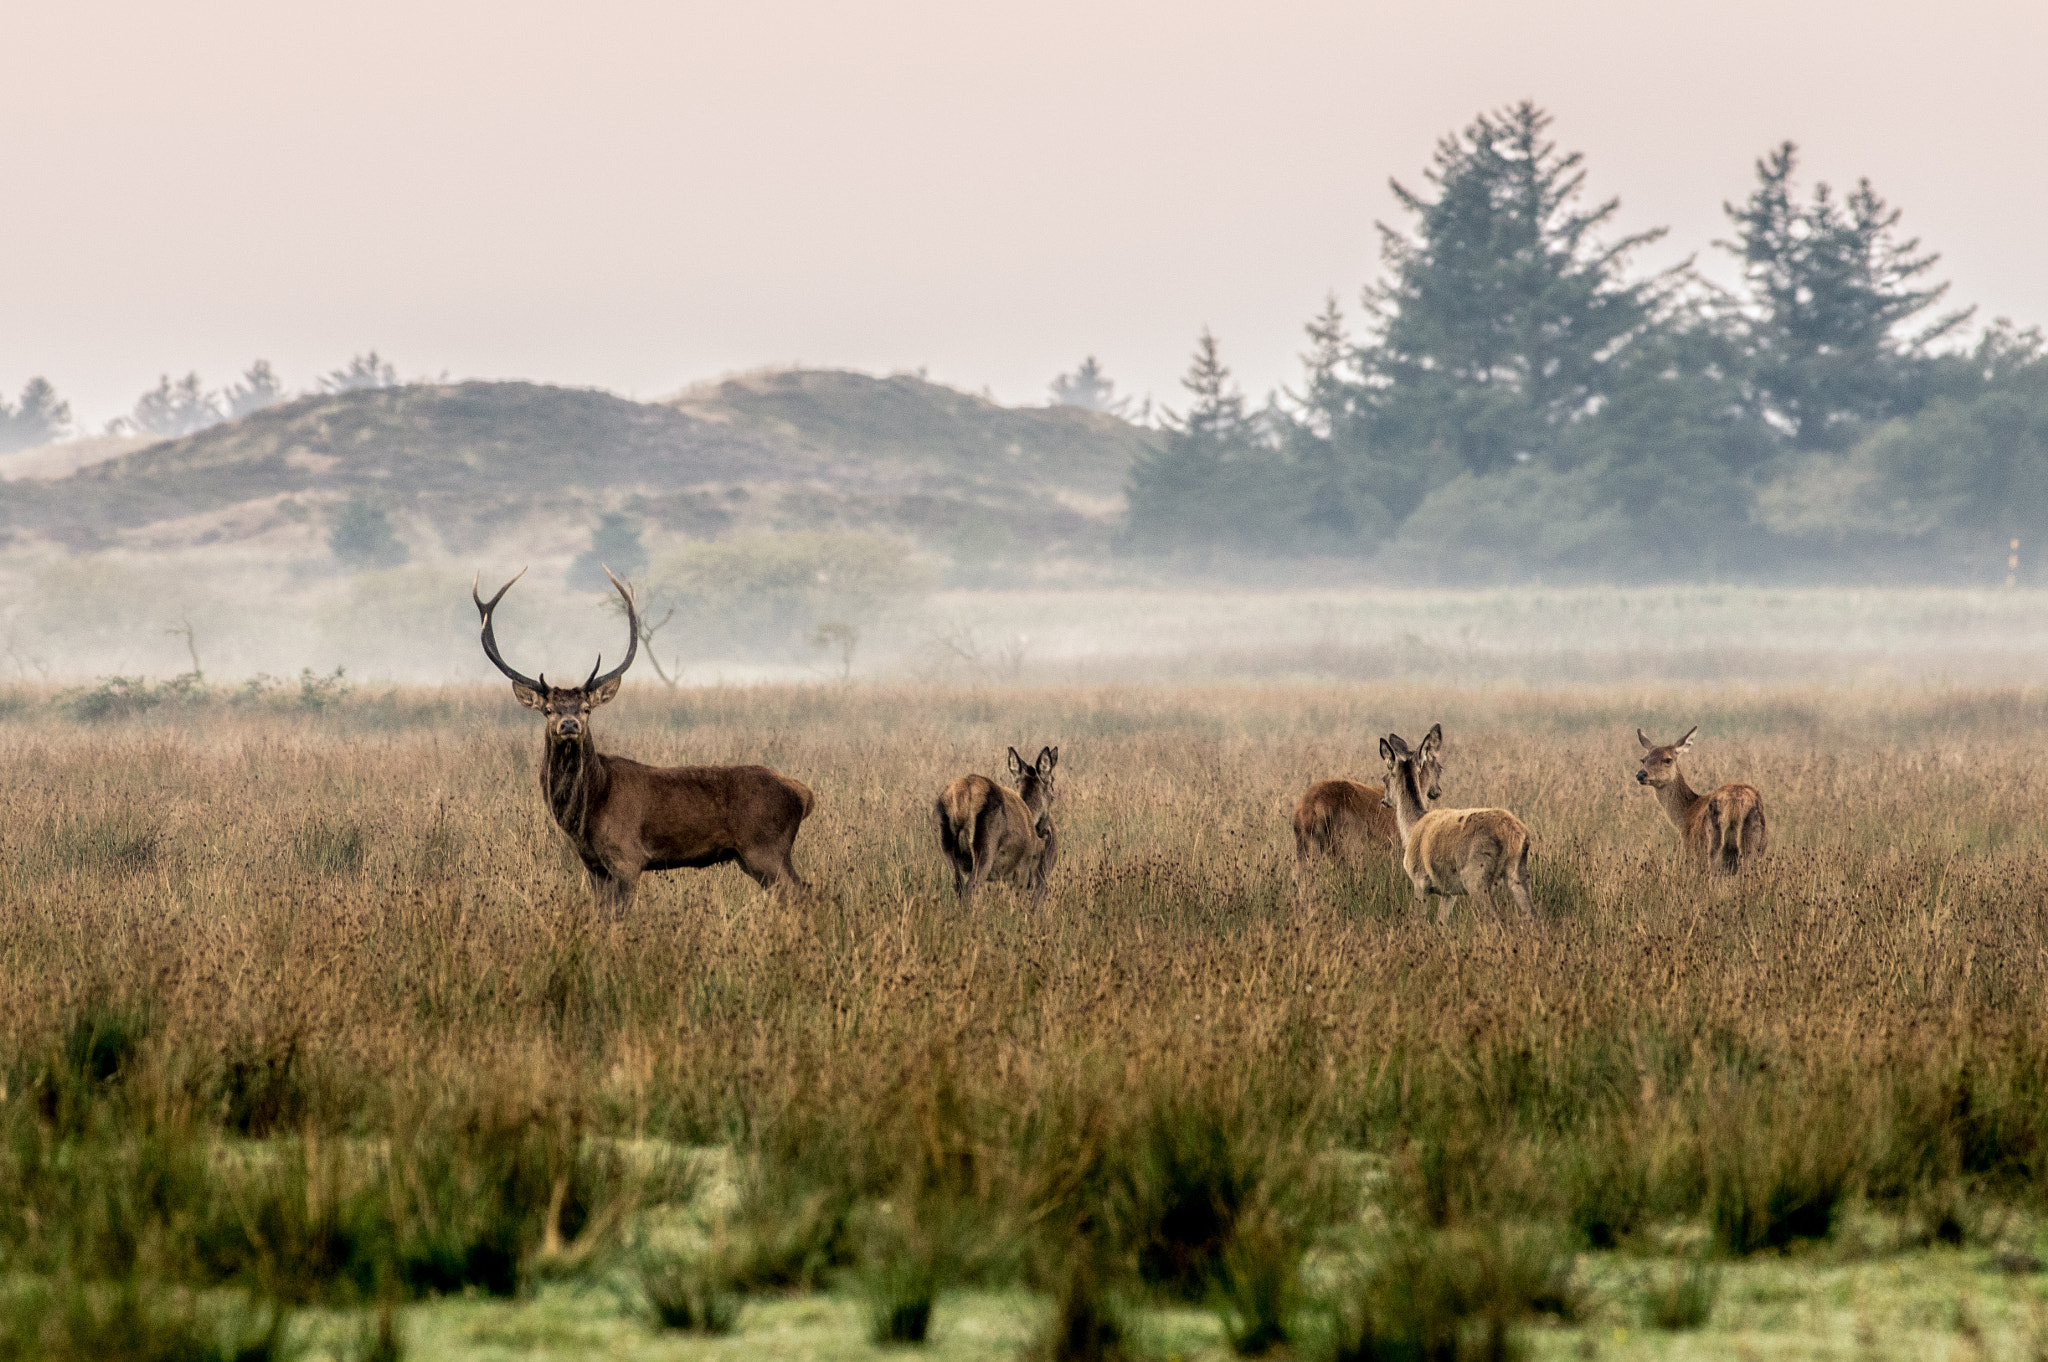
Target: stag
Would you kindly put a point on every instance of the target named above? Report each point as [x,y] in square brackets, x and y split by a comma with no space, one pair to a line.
[988,832]
[1721,828]
[625,818]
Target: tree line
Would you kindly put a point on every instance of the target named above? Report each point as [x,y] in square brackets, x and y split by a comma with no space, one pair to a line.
[1519,399]
[176,407]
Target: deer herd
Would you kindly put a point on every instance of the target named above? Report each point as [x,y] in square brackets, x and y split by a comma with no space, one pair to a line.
[625,818]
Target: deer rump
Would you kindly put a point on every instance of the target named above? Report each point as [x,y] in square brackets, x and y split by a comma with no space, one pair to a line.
[1727,825]
[689,817]
[986,825]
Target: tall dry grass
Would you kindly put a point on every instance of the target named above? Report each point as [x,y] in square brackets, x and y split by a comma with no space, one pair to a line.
[359,926]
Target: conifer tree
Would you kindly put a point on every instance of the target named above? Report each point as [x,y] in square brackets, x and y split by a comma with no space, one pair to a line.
[38,418]
[1832,289]
[1501,309]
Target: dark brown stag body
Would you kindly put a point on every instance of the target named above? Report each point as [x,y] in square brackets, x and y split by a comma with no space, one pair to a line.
[624,817]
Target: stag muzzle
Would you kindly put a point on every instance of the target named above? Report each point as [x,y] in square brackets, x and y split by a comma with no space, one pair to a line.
[569,728]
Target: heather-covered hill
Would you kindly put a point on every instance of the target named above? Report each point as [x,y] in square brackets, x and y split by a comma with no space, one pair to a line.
[468,463]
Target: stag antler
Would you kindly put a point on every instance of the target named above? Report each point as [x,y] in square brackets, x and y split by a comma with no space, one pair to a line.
[632,648]
[484,609]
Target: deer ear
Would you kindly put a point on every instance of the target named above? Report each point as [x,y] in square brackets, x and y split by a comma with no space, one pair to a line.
[1048,757]
[1686,742]
[1386,750]
[1017,766]
[1433,739]
[1644,739]
[605,692]
[528,696]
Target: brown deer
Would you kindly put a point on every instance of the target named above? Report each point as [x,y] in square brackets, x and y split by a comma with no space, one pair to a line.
[1720,828]
[625,818]
[989,832]
[1448,852]
[1338,818]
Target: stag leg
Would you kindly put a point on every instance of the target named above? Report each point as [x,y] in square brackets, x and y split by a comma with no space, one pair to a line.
[612,892]
[771,867]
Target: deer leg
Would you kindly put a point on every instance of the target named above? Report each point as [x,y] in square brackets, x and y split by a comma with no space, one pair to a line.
[1477,877]
[612,892]
[986,837]
[950,849]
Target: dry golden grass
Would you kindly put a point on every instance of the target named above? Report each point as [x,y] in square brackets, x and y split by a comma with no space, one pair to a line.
[373,899]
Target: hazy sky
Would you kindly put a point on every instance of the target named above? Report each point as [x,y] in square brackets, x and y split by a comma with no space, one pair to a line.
[636,195]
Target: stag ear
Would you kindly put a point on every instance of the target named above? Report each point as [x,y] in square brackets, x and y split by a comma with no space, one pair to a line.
[1048,757]
[605,692]
[528,696]
[1685,743]
[1644,739]
[1432,740]
[1017,766]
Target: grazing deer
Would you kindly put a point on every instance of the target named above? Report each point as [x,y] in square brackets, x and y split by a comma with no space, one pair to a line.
[625,818]
[988,832]
[1448,852]
[1338,817]
[1720,828]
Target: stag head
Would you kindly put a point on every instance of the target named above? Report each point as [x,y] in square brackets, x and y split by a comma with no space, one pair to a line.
[567,708]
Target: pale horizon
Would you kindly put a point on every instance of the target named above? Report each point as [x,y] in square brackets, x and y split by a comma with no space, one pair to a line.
[639,197]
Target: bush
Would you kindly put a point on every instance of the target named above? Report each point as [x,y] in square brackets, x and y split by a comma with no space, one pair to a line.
[1686,1298]
[1778,1171]
[695,1294]
[1258,1283]
[1192,1171]
[1087,1324]
[138,1322]
[1449,1296]
[765,595]
[903,1265]
[362,537]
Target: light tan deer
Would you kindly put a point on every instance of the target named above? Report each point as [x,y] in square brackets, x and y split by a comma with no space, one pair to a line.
[1448,852]
[1721,828]
[988,832]
[1340,818]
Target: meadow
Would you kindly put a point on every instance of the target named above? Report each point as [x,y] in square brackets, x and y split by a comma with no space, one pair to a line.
[311,1045]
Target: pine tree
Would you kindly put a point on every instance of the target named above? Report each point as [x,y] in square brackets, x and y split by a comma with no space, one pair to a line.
[1220,480]
[258,389]
[173,409]
[1340,483]
[1089,387]
[362,371]
[1831,289]
[1501,313]
[40,417]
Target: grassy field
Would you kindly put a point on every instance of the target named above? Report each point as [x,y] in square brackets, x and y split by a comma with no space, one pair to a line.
[306,1033]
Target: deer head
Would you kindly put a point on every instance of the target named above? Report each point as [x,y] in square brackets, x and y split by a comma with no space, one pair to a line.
[1427,757]
[1034,779]
[1660,764]
[567,707]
